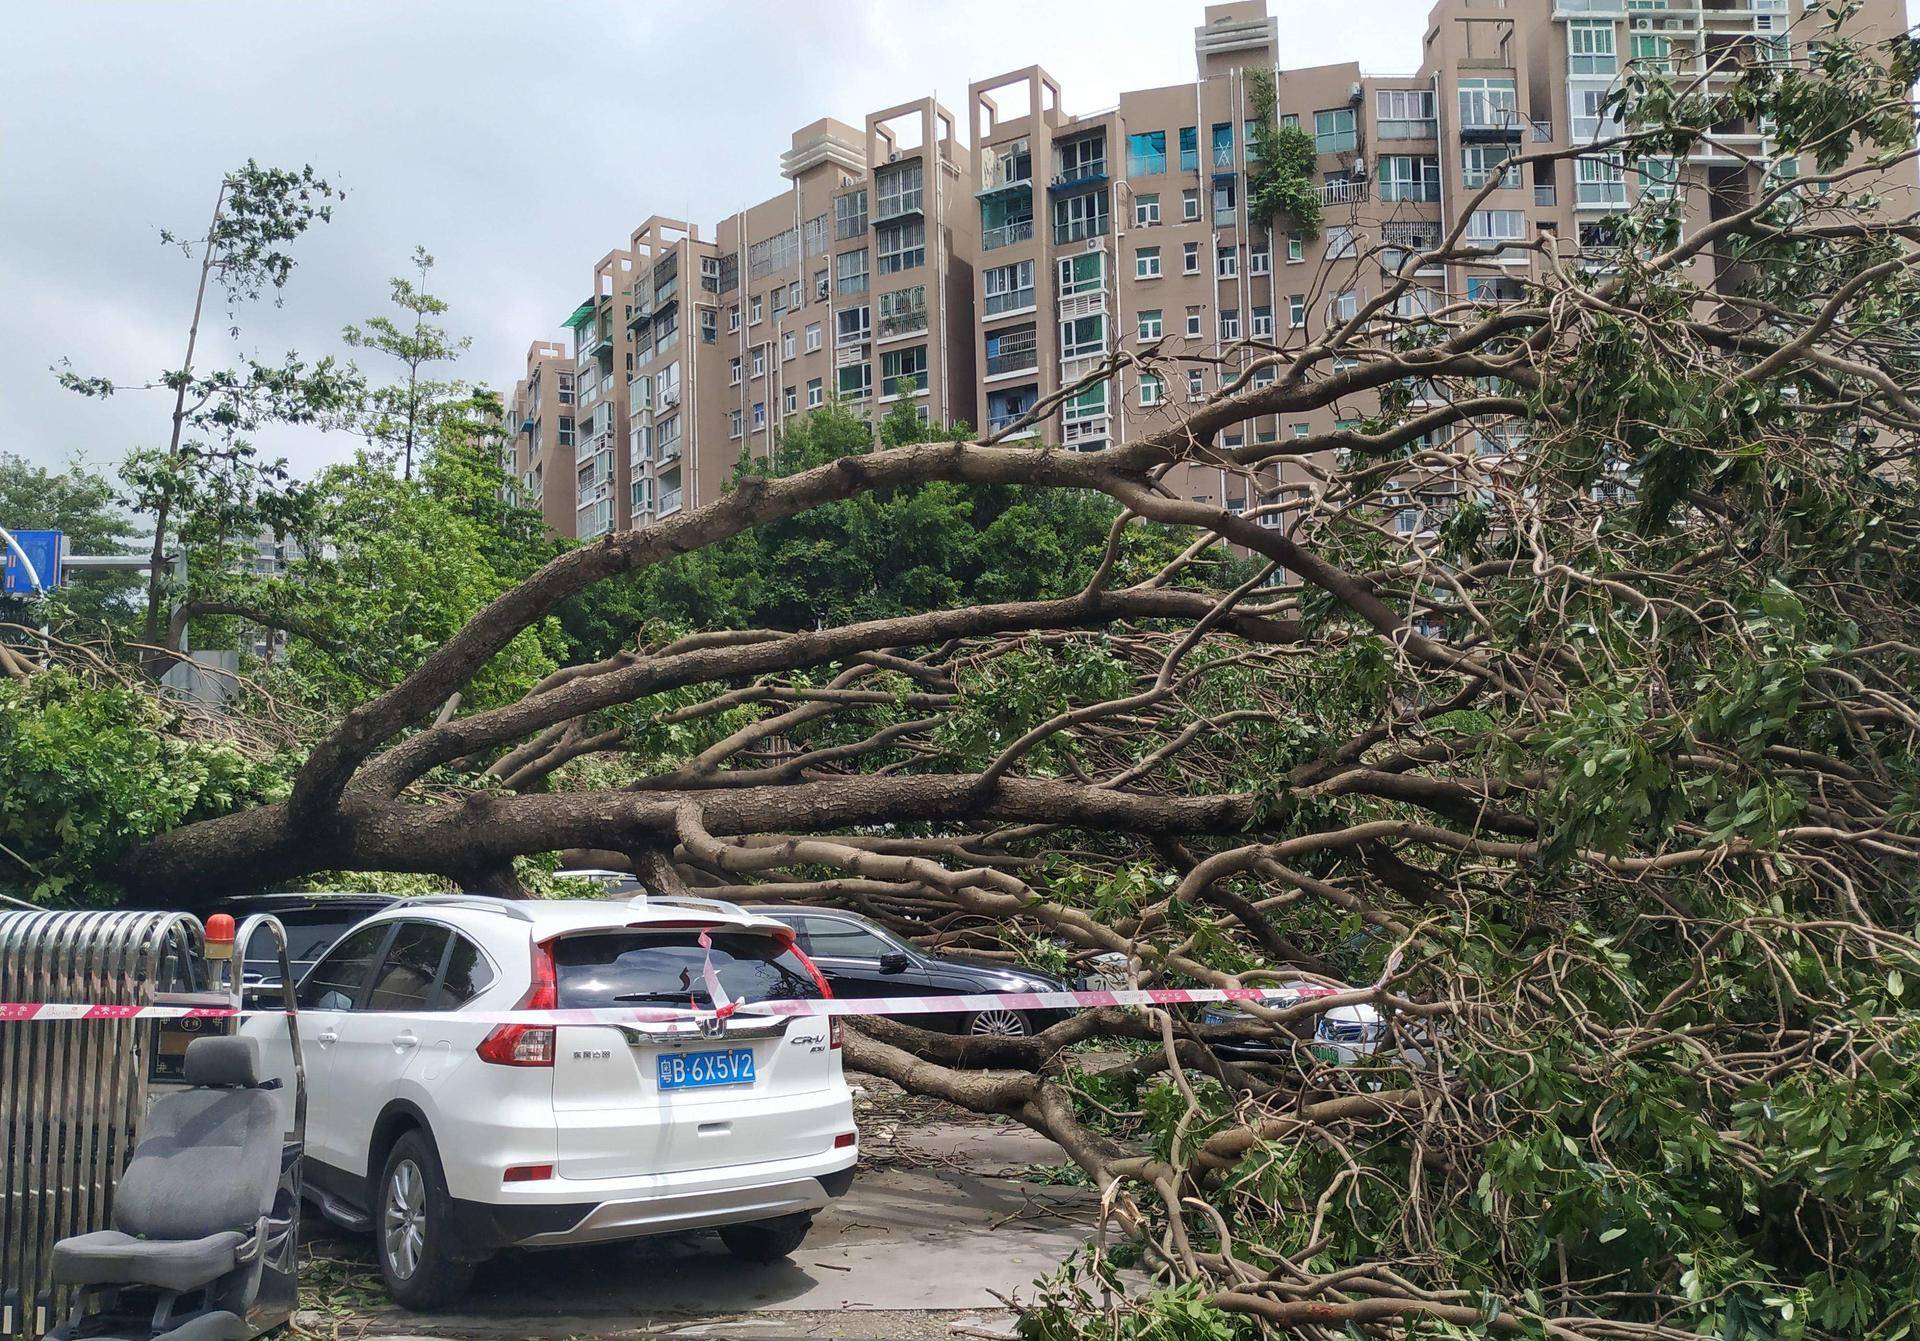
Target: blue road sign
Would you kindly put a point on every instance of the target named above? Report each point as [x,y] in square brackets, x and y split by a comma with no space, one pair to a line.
[43,548]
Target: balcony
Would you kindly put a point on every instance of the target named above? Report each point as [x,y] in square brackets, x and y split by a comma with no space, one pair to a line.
[669,451]
[669,503]
[1345,192]
[894,325]
[903,206]
[1024,359]
[1082,431]
[1081,177]
[1013,300]
[1020,230]
[1082,305]
[1490,122]
[1000,423]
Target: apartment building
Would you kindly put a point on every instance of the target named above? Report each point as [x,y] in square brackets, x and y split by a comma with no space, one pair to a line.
[540,434]
[992,275]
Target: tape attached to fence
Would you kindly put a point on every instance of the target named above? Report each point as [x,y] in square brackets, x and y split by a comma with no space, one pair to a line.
[20,1012]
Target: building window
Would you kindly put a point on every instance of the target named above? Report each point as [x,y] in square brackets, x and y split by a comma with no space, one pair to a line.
[790,401]
[1085,273]
[1590,47]
[1146,211]
[1600,182]
[1230,323]
[1405,113]
[1147,154]
[566,431]
[1342,242]
[903,365]
[1082,158]
[1410,177]
[1296,248]
[1153,391]
[779,252]
[852,326]
[901,245]
[1479,163]
[822,286]
[1260,256]
[813,337]
[733,372]
[1488,104]
[1009,288]
[1226,263]
[759,415]
[1262,321]
[1296,310]
[1222,144]
[1083,337]
[1014,349]
[780,302]
[709,325]
[1190,257]
[1193,323]
[1225,197]
[759,360]
[856,383]
[896,189]
[755,308]
[1146,263]
[851,267]
[850,216]
[1189,148]
[1080,217]
[1333,131]
[1497,226]
[1148,324]
[1005,219]
[733,319]
[1343,306]
[787,341]
[733,423]
[1196,384]
[816,393]
[1190,204]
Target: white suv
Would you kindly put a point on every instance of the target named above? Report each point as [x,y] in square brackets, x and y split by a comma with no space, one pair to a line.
[451,1138]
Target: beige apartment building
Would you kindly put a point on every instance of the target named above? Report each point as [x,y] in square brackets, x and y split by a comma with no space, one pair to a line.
[989,275]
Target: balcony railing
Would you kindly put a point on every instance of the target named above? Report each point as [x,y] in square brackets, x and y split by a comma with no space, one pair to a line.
[669,503]
[1348,192]
[1020,230]
[1094,169]
[1013,361]
[896,207]
[1007,419]
[903,323]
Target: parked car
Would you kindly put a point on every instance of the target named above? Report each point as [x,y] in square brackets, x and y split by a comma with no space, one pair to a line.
[313,921]
[451,1138]
[861,958]
[1341,1034]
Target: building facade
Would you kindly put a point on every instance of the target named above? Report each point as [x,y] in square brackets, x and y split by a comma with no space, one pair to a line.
[981,279]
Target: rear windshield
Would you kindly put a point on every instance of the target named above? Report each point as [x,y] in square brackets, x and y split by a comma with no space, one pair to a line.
[621,968]
[310,932]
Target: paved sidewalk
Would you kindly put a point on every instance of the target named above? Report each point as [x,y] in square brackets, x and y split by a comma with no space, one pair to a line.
[943,1223]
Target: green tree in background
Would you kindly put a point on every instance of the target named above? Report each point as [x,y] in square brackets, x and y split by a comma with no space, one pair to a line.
[85,505]
[401,417]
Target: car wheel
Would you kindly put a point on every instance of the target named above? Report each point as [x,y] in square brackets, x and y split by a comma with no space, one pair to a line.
[998,1024]
[767,1240]
[412,1228]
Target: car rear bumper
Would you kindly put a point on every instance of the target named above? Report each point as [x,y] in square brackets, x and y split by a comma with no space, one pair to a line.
[655,1204]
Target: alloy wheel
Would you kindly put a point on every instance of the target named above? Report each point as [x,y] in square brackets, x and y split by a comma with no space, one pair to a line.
[406,1219]
[998,1024]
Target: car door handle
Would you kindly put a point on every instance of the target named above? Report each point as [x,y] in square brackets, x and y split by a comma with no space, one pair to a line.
[405,1041]
[326,1037]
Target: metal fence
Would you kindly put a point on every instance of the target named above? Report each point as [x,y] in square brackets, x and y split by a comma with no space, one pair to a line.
[73,1092]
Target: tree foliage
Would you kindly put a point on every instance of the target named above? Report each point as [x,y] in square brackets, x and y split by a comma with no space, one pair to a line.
[1283,162]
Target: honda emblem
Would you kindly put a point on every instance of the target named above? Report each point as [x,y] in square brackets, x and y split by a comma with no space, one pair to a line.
[713,1026]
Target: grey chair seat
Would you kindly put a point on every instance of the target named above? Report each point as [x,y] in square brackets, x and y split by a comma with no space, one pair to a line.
[109,1257]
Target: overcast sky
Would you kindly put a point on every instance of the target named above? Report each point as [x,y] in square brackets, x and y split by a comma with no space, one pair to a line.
[517,142]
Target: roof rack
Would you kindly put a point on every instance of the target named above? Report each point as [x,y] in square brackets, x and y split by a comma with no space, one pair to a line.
[478,902]
[688,901]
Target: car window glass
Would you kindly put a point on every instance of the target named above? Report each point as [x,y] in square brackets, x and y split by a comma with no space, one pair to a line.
[308,934]
[335,982]
[405,977]
[834,939]
[621,968]
[468,974]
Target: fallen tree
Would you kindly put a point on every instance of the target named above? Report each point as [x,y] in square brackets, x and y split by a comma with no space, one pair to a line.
[1559,705]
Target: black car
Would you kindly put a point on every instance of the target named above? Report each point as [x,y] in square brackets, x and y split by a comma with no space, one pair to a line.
[863,959]
[313,922]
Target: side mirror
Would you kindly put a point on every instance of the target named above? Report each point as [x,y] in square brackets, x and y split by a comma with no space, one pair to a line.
[894,962]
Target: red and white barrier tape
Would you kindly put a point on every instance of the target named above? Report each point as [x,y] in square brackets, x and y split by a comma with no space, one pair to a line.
[19,1012]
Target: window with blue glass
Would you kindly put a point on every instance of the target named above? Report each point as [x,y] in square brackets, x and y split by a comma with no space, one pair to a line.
[1147,154]
[1223,144]
[1189,148]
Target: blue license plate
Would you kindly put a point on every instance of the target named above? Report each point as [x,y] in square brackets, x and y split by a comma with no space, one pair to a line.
[697,1070]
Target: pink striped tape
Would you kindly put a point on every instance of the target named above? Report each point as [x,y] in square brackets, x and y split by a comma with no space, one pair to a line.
[15,1012]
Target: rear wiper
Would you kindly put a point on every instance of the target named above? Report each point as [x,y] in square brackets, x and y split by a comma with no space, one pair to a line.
[675,997]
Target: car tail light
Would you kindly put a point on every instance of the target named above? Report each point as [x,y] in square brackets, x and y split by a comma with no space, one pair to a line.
[835,1035]
[526,1044]
[845,1139]
[527,1173]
